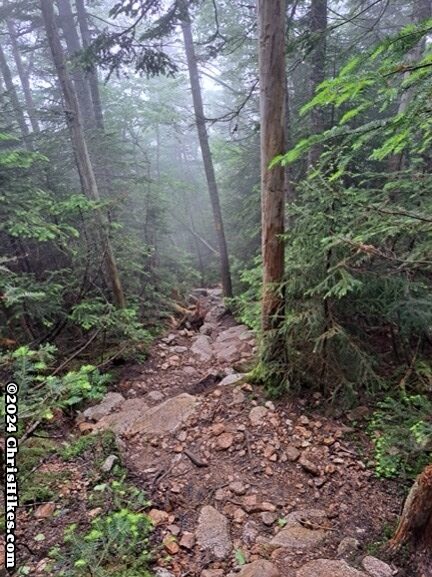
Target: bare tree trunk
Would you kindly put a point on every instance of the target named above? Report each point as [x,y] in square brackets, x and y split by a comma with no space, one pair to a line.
[82,158]
[13,98]
[415,524]
[206,154]
[92,75]
[318,29]
[67,23]
[31,110]
[271,22]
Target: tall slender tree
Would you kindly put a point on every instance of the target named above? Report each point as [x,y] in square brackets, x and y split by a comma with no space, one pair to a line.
[318,30]
[271,22]
[23,76]
[92,74]
[73,44]
[12,93]
[82,157]
[206,152]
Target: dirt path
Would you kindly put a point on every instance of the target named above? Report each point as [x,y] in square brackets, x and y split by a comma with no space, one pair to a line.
[241,484]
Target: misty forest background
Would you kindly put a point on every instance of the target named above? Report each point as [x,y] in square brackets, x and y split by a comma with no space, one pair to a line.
[106,221]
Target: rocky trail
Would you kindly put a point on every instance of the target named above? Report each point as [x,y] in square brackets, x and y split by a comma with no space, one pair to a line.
[241,485]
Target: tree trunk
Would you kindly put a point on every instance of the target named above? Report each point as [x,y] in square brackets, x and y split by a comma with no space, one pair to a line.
[415,524]
[271,22]
[92,75]
[318,28]
[67,23]
[206,153]
[13,98]
[82,158]
[31,110]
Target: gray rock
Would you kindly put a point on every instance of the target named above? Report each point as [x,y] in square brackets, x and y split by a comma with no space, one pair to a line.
[250,532]
[163,573]
[202,348]
[119,422]
[155,396]
[292,453]
[213,532]
[110,402]
[179,349]
[376,568]
[260,568]
[302,530]
[257,415]
[329,568]
[232,379]
[207,329]
[348,547]
[164,418]
[226,352]
[109,463]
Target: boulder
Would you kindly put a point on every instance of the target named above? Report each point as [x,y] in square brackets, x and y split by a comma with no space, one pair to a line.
[376,568]
[212,533]
[110,402]
[202,348]
[328,568]
[303,530]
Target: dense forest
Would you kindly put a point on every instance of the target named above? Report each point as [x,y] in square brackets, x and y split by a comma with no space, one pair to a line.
[216,287]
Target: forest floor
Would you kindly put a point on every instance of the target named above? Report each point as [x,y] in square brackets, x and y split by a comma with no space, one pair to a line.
[238,484]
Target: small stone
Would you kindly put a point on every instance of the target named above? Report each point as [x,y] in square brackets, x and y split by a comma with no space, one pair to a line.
[217,429]
[348,547]
[268,518]
[86,428]
[163,573]
[225,440]
[171,545]
[110,402]
[237,487]
[259,568]
[309,466]
[158,517]
[187,541]
[239,516]
[376,568]
[45,511]
[234,379]
[95,512]
[109,463]
[155,396]
[292,453]
[174,530]
[257,414]
[304,420]
[213,573]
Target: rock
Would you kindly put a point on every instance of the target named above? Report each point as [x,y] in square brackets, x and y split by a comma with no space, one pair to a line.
[164,418]
[155,396]
[225,441]
[174,530]
[110,402]
[213,573]
[207,329]
[250,532]
[309,466]
[171,545]
[359,413]
[118,422]
[292,453]
[237,487]
[303,530]
[347,547]
[225,352]
[86,428]
[179,349]
[376,568]
[260,568]
[217,429]
[238,397]
[268,518]
[212,533]
[44,511]
[187,541]
[158,517]
[109,463]
[234,379]
[163,573]
[202,348]
[328,568]
[257,414]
